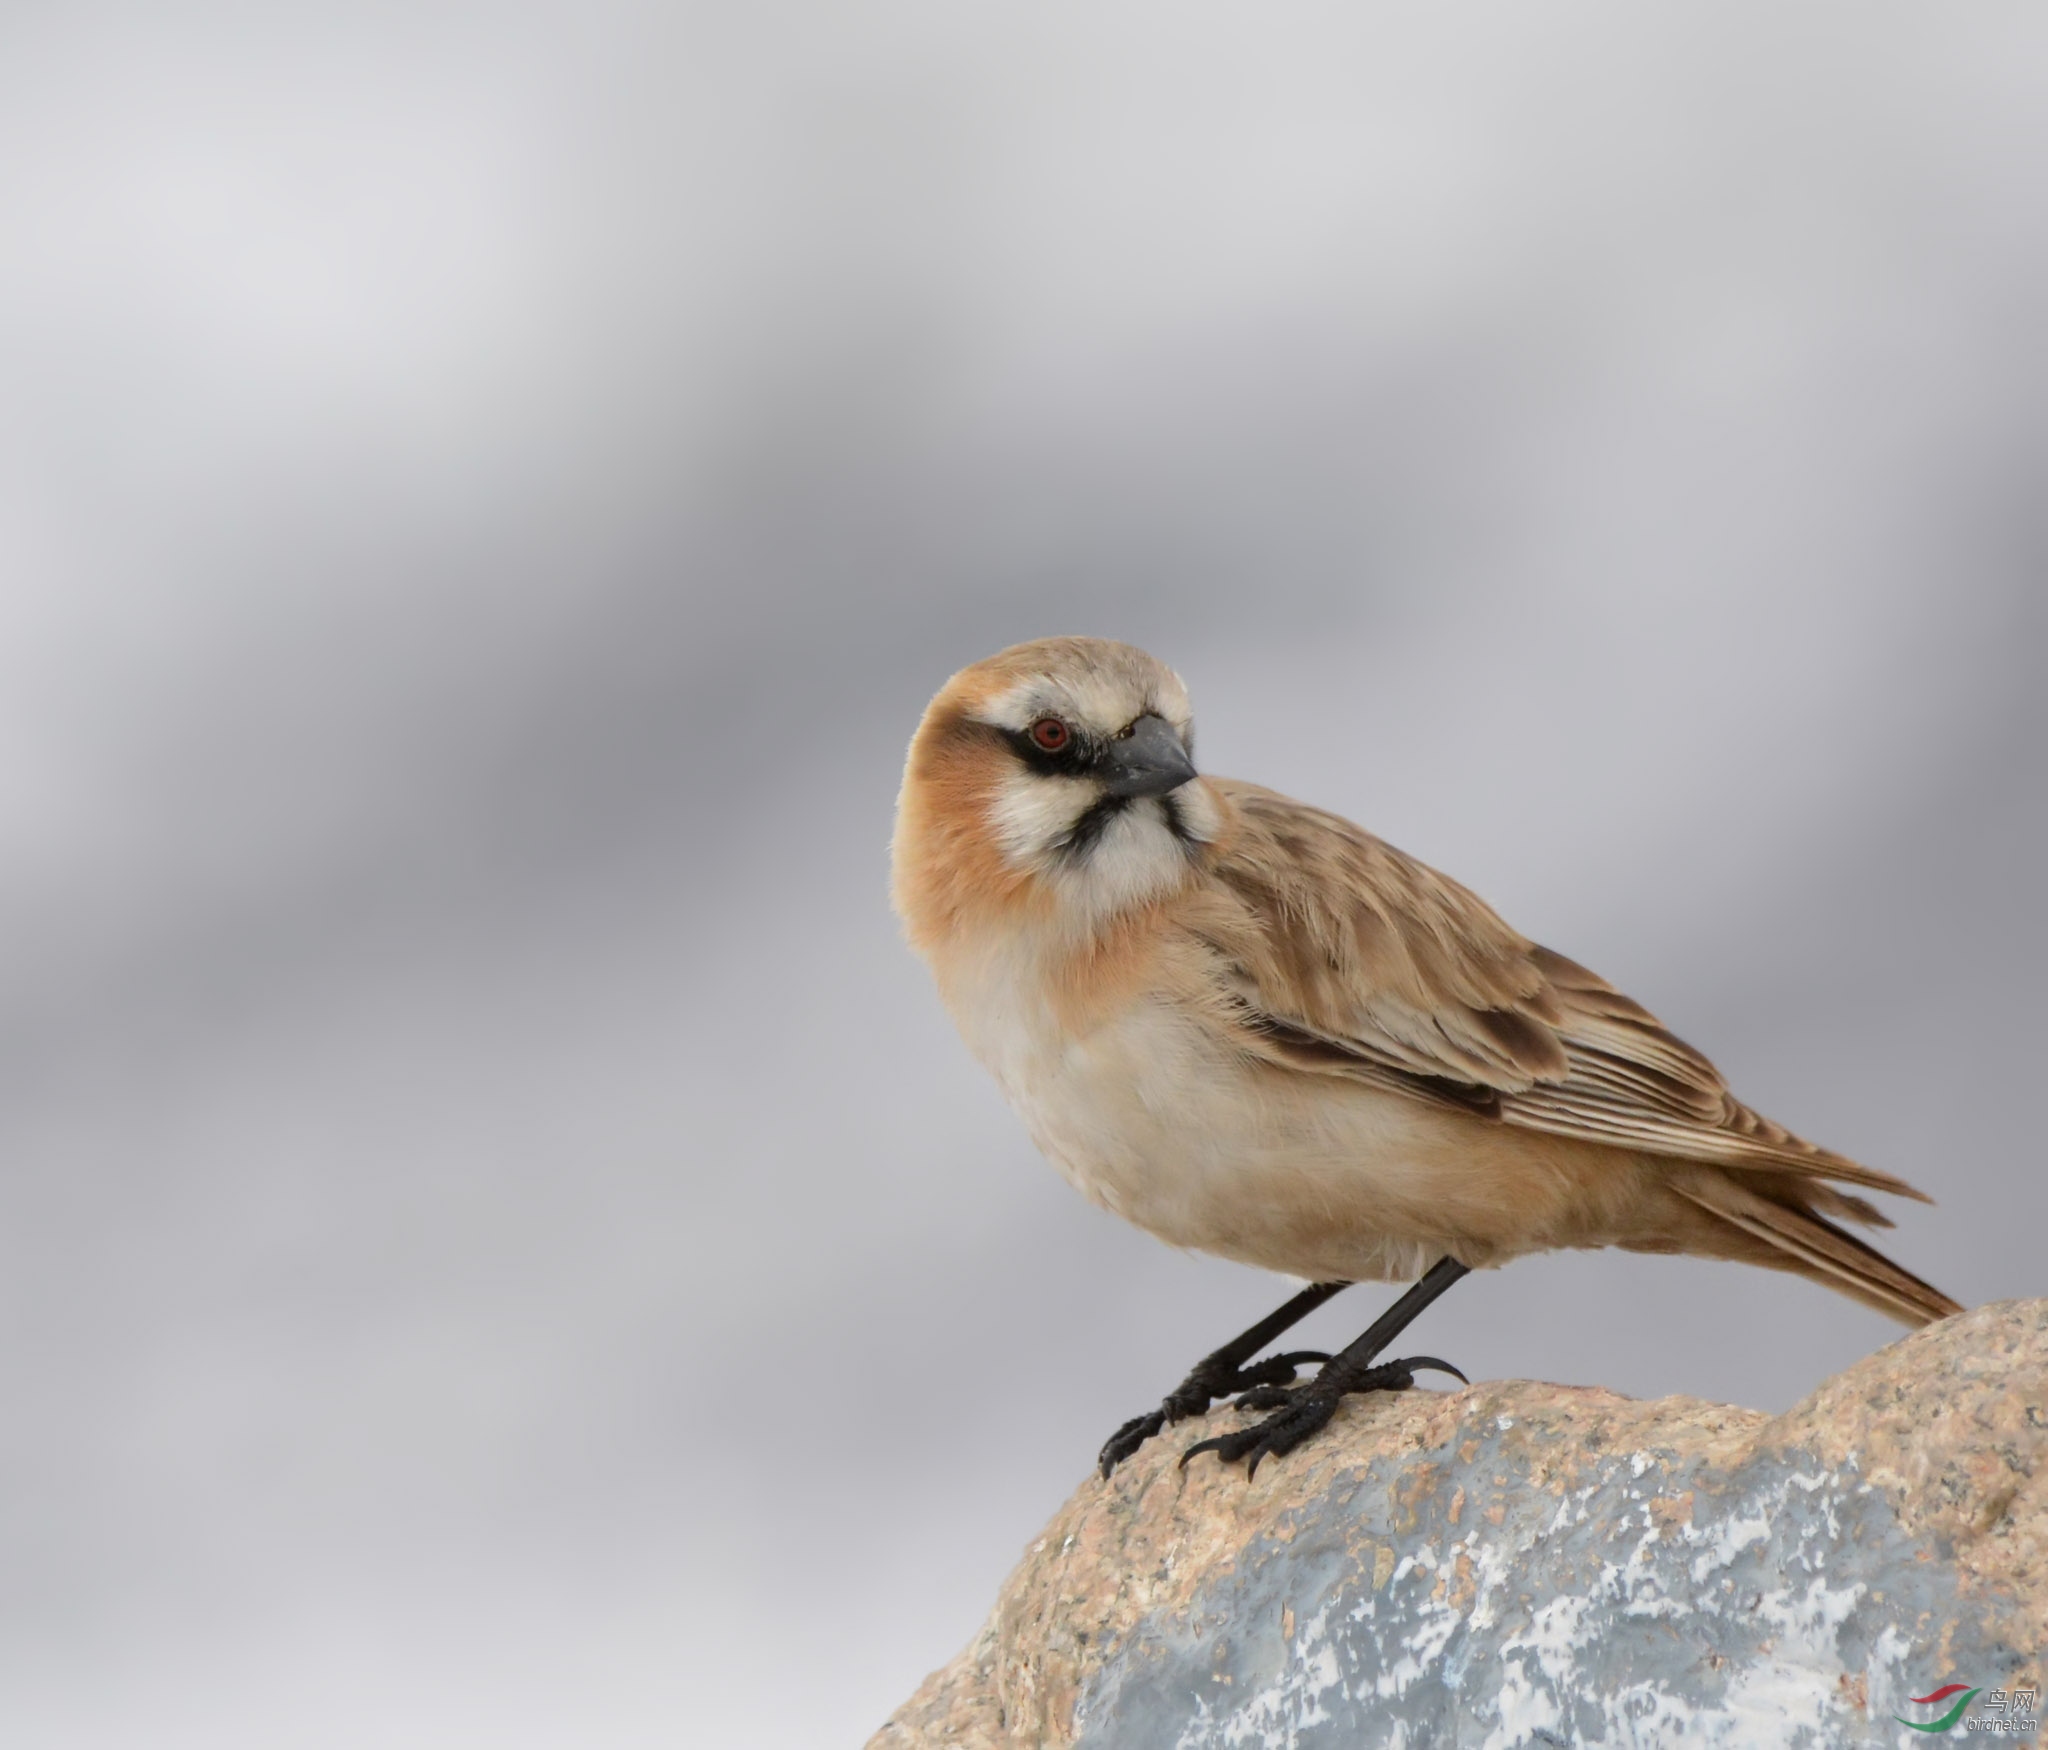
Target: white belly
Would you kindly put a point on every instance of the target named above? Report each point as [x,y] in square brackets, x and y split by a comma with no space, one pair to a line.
[1150,1118]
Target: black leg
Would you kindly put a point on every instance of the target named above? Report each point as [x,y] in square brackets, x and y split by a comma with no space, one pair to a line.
[1219,1375]
[1300,1412]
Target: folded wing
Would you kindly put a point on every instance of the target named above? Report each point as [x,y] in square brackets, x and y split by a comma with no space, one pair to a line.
[1348,958]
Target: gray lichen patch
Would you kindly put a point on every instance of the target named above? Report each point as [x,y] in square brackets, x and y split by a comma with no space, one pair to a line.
[1604,1612]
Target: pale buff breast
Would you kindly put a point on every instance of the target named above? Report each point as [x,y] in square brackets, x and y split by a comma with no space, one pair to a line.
[1152,1116]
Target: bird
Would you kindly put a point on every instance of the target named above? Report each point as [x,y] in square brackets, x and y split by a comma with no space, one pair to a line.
[1255,1030]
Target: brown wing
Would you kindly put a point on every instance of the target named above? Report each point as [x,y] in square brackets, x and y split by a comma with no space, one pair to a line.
[1354,959]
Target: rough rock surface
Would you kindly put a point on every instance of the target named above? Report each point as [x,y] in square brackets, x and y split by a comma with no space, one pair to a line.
[1520,1563]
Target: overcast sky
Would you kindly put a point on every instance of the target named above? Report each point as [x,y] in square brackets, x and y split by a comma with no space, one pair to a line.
[502,1247]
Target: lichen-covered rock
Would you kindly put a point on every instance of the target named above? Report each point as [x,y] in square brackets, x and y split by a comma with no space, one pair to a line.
[1521,1563]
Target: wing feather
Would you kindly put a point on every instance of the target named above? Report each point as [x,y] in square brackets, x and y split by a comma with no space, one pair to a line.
[1344,956]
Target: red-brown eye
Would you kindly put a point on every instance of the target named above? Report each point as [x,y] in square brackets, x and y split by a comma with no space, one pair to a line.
[1051,734]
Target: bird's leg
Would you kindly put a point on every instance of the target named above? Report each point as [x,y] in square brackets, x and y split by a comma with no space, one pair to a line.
[1219,1375]
[1302,1411]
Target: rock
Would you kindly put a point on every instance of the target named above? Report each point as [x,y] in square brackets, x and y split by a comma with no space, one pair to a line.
[1520,1563]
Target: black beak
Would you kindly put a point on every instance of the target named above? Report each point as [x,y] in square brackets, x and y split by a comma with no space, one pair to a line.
[1146,760]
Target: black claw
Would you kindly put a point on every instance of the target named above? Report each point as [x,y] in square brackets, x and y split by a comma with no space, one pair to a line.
[1400,1375]
[1306,1410]
[1417,1363]
[1300,1414]
[1222,1444]
[1260,1381]
[1127,1439]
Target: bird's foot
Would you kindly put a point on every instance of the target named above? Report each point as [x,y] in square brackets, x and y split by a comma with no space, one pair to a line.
[1307,1408]
[1210,1379]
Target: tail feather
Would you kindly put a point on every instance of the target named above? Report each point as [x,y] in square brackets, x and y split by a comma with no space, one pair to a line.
[1809,1243]
[1815,1195]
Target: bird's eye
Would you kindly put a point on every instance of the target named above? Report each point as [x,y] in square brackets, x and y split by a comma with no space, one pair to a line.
[1051,734]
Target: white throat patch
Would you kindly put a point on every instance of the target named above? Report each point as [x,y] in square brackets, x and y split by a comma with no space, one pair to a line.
[1134,857]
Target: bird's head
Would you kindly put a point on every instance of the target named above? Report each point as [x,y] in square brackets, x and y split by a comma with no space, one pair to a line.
[1058,773]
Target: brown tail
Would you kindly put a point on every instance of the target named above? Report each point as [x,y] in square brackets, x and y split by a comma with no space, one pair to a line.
[1795,1238]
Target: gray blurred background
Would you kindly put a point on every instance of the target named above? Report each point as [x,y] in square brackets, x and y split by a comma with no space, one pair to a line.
[500,1246]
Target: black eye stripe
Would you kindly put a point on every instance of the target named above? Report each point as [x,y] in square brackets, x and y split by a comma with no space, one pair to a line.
[1081,754]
